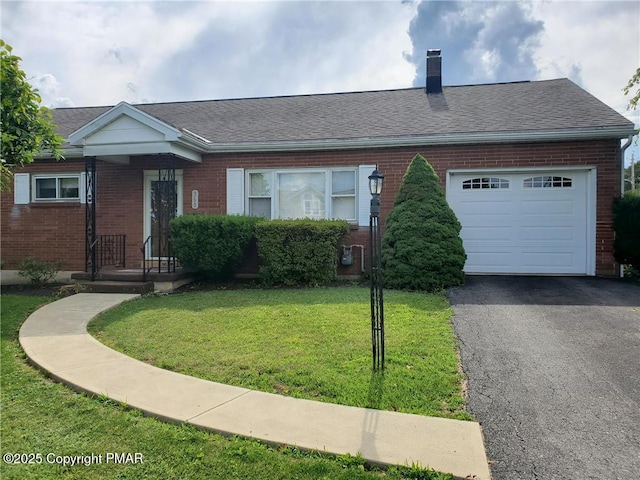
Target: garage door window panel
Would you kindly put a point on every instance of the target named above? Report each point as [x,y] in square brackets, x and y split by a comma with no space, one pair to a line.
[547,181]
[485,183]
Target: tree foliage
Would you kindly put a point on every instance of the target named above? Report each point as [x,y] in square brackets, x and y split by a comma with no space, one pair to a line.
[633,82]
[626,224]
[421,246]
[26,126]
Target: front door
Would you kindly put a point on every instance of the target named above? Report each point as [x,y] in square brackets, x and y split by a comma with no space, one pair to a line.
[163,202]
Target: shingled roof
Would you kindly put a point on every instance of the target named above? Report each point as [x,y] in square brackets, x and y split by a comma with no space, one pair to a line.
[502,108]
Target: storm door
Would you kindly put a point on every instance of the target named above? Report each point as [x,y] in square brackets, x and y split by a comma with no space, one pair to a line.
[163,202]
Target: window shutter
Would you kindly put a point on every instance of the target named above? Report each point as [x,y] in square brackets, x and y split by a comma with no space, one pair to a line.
[235,191]
[21,193]
[364,196]
[83,187]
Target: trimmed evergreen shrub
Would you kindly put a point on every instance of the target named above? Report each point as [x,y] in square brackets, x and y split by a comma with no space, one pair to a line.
[299,252]
[626,224]
[421,245]
[212,244]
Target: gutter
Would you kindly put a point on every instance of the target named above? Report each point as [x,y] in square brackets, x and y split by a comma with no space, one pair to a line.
[202,145]
[403,141]
[622,150]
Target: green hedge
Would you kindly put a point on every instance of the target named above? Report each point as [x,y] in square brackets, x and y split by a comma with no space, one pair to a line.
[212,244]
[626,224]
[299,252]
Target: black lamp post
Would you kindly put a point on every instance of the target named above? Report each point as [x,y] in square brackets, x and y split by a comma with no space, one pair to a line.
[376,180]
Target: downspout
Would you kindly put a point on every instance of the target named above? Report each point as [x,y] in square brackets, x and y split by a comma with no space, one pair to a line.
[622,150]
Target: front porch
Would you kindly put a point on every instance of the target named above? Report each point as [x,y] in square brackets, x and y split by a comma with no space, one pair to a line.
[132,190]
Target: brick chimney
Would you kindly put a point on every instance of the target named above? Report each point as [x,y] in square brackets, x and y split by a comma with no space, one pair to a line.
[434,71]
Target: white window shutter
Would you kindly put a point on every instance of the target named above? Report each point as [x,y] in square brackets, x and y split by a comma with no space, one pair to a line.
[235,191]
[83,187]
[364,196]
[21,190]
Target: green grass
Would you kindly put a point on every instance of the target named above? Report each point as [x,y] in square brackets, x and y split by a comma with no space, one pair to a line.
[40,417]
[309,343]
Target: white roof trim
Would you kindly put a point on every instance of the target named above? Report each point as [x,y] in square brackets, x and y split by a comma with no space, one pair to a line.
[78,137]
[448,139]
[198,145]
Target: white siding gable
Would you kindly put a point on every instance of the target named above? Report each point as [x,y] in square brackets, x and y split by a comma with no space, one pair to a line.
[125,130]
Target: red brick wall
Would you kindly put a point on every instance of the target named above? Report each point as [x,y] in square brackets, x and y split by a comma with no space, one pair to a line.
[57,231]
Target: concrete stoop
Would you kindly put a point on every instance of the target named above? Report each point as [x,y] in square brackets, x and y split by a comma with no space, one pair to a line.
[110,286]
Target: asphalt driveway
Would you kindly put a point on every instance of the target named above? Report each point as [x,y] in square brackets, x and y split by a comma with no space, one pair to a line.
[553,366]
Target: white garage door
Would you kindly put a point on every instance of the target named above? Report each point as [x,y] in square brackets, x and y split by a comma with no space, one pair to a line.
[533,222]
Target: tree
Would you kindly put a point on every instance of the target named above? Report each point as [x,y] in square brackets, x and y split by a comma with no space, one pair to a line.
[635,80]
[421,245]
[26,126]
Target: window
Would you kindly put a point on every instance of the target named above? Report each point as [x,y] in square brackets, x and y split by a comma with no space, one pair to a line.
[547,182]
[56,187]
[485,183]
[260,194]
[311,193]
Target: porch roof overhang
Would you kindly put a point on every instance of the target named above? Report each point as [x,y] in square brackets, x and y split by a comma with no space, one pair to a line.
[125,131]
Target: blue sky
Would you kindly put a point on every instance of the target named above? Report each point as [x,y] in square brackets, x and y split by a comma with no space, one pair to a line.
[100,53]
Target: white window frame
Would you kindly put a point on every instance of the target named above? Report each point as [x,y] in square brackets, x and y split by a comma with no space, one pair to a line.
[57,177]
[274,181]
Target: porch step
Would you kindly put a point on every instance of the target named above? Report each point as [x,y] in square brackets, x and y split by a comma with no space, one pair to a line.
[109,286]
[132,275]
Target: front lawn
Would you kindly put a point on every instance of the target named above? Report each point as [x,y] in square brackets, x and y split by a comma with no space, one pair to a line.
[306,343]
[41,417]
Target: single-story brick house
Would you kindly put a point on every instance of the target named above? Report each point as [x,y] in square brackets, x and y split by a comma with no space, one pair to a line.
[530,168]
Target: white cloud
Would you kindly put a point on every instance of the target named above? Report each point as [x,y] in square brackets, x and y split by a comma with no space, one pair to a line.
[99,53]
[102,53]
[596,44]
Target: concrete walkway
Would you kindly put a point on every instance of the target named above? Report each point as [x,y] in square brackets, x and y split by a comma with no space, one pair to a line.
[55,339]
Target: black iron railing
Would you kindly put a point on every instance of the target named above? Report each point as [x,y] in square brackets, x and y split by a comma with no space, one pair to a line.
[157,256]
[111,250]
[106,250]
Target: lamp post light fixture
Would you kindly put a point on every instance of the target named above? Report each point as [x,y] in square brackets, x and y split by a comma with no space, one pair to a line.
[376,179]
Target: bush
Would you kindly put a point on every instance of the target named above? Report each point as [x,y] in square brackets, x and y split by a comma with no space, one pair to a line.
[421,246]
[299,252]
[212,244]
[37,272]
[626,224]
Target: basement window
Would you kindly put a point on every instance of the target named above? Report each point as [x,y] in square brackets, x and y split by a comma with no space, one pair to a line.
[547,181]
[53,188]
[483,183]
